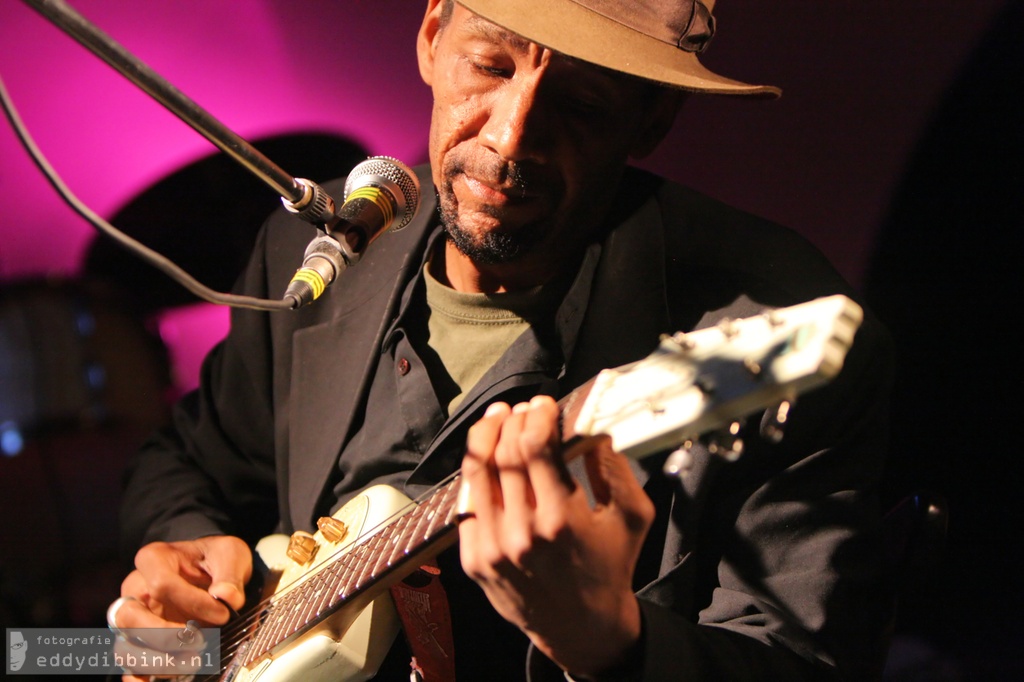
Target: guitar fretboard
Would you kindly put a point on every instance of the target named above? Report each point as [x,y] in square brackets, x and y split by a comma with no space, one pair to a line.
[350,574]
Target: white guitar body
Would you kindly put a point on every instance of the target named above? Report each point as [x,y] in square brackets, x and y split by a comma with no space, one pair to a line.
[347,645]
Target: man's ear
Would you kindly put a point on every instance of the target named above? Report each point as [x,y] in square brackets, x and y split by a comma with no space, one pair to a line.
[426,41]
[664,107]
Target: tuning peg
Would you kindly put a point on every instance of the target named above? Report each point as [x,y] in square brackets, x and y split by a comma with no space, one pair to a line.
[727,443]
[728,327]
[331,528]
[684,343]
[774,427]
[301,547]
[680,461]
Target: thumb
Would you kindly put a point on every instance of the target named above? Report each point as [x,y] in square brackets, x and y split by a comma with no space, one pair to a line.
[229,563]
[614,485]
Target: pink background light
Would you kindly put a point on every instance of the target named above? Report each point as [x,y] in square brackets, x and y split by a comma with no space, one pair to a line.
[261,67]
[859,81]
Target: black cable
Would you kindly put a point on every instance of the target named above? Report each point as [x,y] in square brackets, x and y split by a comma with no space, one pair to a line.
[150,256]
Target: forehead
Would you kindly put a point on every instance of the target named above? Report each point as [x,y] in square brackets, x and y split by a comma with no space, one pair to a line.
[467,25]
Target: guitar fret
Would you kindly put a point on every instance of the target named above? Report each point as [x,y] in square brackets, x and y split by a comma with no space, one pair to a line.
[439,518]
[266,637]
[352,568]
[451,496]
[416,534]
[256,637]
[289,623]
[330,596]
[404,540]
[326,594]
[382,540]
[302,604]
[312,590]
[435,507]
[429,515]
[357,578]
[281,611]
[373,548]
[347,567]
[331,577]
[401,531]
[295,618]
[413,520]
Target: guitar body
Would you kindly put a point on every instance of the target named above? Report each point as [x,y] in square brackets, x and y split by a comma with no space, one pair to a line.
[350,644]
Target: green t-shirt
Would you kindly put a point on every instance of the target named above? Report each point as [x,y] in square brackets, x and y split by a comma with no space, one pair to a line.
[470,331]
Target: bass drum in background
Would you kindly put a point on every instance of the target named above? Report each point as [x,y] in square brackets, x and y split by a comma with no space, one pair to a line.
[82,384]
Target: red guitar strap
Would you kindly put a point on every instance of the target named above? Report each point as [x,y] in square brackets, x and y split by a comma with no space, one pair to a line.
[423,607]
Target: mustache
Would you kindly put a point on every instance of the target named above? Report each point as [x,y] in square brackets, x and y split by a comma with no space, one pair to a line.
[512,176]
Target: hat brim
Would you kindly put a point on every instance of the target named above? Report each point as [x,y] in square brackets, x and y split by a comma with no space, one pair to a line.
[599,40]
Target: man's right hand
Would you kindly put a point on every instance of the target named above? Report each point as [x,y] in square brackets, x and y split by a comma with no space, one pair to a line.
[174,582]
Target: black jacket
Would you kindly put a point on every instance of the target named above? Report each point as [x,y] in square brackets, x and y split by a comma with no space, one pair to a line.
[768,568]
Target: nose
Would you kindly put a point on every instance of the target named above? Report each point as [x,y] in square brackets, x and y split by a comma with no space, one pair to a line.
[515,129]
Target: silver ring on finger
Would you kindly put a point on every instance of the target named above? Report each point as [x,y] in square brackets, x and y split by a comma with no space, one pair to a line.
[112,610]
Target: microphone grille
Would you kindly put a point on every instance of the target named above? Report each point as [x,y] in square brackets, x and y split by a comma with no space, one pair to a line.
[394,176]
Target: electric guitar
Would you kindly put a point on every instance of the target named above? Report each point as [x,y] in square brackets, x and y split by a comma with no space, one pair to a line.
[331,617]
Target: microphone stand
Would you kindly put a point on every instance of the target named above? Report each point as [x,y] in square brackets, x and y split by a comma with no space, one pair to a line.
[302,197]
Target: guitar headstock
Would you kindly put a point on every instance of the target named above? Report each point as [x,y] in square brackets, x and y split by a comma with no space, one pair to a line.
[705,380]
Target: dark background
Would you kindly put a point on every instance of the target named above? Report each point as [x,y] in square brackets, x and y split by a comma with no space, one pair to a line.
[896,147]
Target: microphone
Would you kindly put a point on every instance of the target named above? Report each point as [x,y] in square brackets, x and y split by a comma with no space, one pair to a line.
[381,193]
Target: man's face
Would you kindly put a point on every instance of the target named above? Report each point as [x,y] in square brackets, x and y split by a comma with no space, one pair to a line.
[526,145]
[19,649]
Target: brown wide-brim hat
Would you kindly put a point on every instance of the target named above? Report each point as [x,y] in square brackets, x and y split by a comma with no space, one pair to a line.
[654,39]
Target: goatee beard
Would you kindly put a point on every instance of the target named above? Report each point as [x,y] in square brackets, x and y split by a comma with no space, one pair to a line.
[489,248]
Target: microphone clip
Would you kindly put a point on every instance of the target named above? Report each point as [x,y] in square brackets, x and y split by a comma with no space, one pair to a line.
[324,260]
[381,193]
[315,206]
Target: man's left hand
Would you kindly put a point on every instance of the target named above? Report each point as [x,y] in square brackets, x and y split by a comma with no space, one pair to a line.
[549,562]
